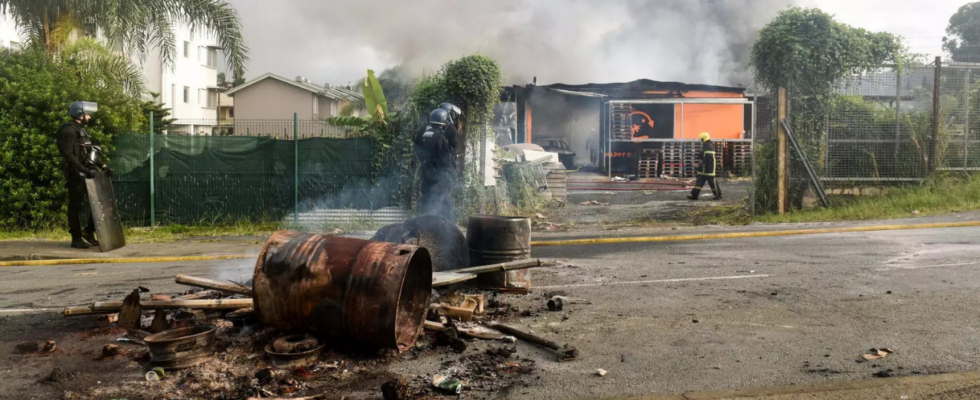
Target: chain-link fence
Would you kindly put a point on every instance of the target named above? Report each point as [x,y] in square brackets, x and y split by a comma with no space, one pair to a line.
[274,128]
[208,179]
[884,126]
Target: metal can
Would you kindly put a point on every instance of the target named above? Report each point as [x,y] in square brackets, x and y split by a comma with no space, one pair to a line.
[447,385]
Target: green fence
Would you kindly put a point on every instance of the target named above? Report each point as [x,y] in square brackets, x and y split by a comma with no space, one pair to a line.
[229,178]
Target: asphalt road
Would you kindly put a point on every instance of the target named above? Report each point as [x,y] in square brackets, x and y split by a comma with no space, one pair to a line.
[666,317]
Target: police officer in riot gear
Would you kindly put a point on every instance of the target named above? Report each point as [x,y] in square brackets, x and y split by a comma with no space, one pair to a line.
[76,147]
[706,169]
[436,147]
[454,112]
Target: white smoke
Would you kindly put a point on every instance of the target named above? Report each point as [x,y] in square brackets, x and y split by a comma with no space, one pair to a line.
[569,41]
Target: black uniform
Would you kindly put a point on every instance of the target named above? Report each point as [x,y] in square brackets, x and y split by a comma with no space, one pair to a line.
[436,148]
[72,138]
[706,171]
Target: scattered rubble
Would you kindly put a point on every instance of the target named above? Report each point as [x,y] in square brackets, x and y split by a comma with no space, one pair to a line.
[27,347]
[219,342]
[447,385]
[877,354]
[109,350]
[600,372]
[557,303]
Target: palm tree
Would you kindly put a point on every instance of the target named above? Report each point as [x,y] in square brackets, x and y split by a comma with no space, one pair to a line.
[133,25]
[91,58]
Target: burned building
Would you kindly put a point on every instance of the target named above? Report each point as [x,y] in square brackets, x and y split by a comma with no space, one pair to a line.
[644,127]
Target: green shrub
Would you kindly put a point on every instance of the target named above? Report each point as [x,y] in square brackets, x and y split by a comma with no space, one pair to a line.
[35,91]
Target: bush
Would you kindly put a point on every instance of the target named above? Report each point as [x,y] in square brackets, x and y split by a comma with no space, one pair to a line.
[35,91]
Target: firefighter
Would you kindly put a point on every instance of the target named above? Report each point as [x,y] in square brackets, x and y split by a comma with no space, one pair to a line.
[706,169]
[436,147]
[75,145]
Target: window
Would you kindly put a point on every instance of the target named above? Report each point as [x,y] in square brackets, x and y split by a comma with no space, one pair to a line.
[212,98]
[212,57]
[187,94]
[187,49]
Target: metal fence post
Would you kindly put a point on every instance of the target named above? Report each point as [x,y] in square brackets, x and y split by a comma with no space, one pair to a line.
[782,156]
[966,125]
[898,112]
[153,210]
[936,109]
[296,168]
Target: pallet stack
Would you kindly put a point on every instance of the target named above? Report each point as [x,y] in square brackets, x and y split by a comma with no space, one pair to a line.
[648,164]
[621,121]
[741,155]
[721,152]
[557,183]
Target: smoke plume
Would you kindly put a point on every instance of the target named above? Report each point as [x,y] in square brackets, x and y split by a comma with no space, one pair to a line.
[569,41]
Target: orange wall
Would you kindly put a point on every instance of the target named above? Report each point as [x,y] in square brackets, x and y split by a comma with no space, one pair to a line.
[722,121]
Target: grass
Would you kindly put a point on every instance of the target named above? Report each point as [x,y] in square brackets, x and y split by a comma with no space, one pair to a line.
[163,234]
[939,195]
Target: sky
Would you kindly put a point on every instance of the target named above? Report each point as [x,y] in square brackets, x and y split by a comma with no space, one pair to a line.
[921,22]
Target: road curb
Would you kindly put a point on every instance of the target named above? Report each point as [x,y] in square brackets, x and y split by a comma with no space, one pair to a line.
[739,235]
[543,243]
[123,260]
[825,387]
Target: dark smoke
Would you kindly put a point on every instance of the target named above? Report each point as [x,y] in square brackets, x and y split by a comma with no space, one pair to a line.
[574,41]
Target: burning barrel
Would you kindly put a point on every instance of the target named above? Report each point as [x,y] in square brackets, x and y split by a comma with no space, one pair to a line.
[373,292]
[495,239]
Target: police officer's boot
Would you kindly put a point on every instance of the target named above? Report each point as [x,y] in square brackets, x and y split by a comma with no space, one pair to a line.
[90,238]
[78,243]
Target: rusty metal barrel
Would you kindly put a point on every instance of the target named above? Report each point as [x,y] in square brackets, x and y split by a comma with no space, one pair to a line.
[496,239]
[372,292]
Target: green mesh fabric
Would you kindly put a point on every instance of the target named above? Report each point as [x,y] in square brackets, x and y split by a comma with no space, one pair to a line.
[203,179]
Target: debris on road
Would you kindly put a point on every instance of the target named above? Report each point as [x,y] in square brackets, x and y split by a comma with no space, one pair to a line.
[564,353]
[181,348]
[447,385]
[159,323]
[155,374]
[49,346]
[110,350]
[294,350]
[27,347]
[877,354]
[130,310]
[227,287]
[229,339]
[395,389]
[600,372]
[557,303]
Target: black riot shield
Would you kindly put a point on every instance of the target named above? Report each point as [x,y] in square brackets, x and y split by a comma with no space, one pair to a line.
[105,212]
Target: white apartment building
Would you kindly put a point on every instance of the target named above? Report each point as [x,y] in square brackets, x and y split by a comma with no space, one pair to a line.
[189,86]
[9,36]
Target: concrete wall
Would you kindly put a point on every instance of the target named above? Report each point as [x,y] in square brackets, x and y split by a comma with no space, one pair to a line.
[273,99]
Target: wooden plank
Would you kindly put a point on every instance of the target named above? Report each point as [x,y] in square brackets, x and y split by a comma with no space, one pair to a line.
[449,278]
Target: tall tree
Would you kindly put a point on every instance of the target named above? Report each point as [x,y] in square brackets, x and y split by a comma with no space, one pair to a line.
[963,34]
[133,25]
